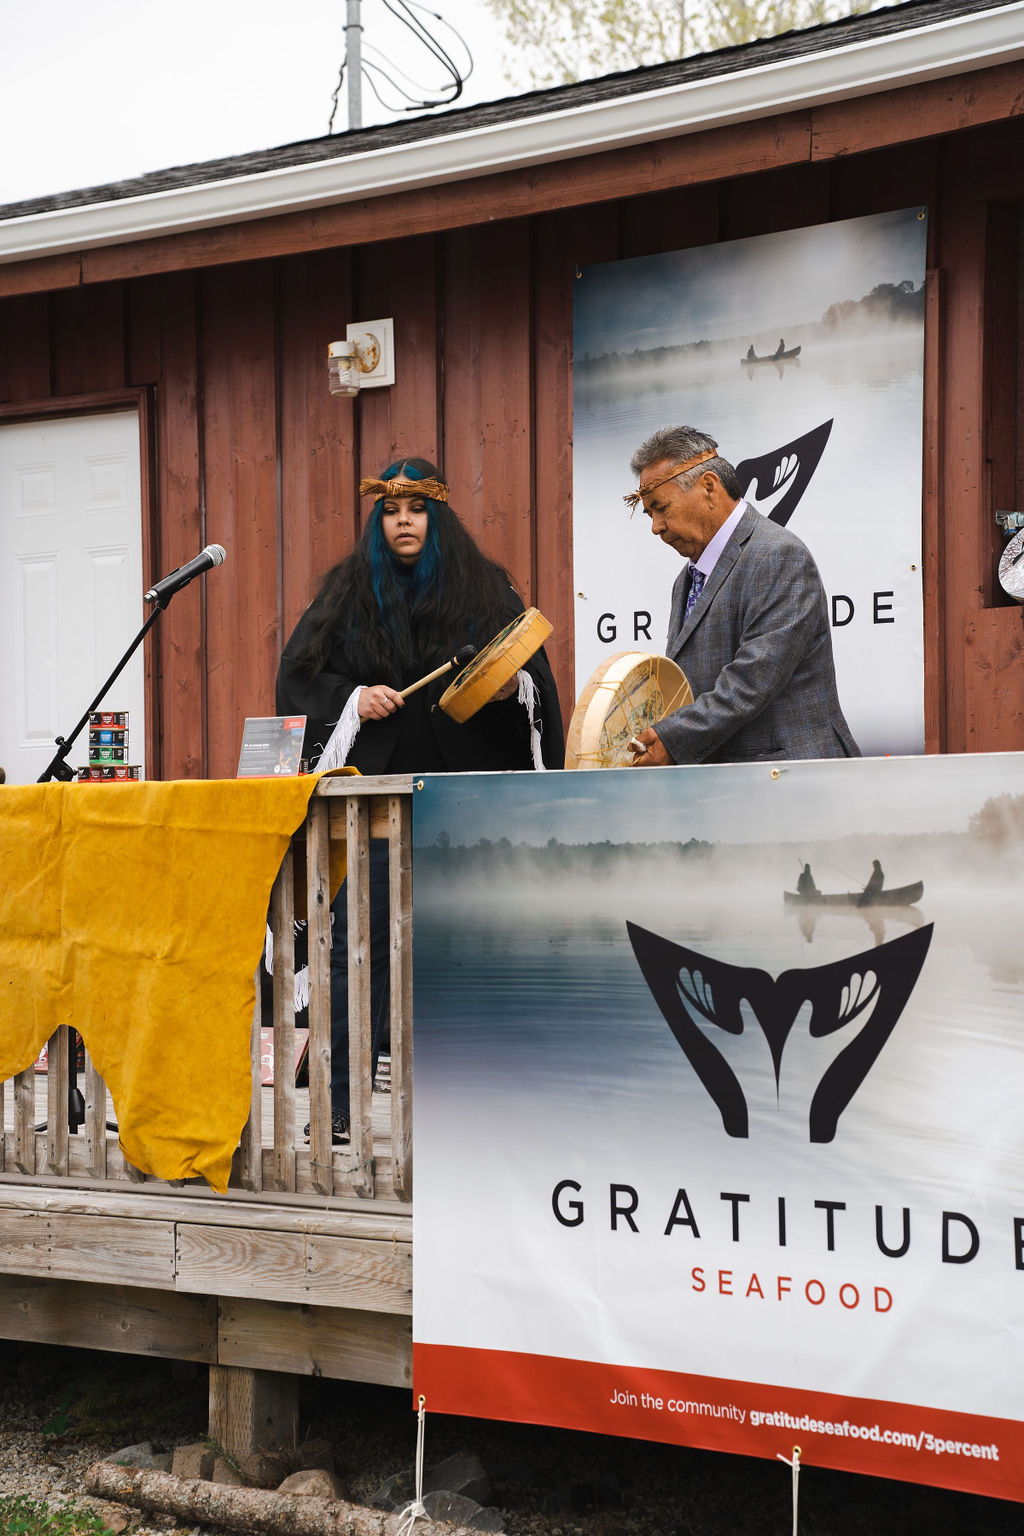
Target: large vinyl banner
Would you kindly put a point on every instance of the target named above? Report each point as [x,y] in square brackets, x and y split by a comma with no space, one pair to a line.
[718,1085]
[801,353]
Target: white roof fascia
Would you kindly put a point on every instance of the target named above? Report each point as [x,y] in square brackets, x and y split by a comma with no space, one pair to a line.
[942,49]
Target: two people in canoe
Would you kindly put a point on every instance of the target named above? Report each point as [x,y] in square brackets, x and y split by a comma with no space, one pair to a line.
[780,355]
[805,885]
[780,351]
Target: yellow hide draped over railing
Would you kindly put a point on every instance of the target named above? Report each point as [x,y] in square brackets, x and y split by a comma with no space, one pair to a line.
[136,914]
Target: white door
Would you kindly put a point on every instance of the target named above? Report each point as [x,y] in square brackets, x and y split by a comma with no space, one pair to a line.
[70,583]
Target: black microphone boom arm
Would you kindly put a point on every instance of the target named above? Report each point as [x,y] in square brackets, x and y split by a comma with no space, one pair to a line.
[160,595]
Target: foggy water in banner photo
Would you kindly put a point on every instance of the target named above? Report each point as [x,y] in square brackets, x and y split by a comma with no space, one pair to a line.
[531,1008]
[869,385]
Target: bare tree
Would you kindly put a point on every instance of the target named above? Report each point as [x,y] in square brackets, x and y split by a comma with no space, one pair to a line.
[553,42]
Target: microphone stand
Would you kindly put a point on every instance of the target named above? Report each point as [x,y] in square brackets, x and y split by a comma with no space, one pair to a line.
[57,768]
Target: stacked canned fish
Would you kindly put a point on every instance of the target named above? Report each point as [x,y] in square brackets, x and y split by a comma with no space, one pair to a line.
[108,749]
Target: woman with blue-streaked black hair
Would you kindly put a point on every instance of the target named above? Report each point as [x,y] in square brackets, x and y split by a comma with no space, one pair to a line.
[415,590]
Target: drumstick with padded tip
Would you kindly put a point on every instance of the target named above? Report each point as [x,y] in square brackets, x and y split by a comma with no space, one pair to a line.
[458,660]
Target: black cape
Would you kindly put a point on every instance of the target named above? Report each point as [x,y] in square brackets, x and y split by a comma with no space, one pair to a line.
[420,737]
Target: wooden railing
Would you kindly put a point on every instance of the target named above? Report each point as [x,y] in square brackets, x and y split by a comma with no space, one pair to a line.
[273,1157]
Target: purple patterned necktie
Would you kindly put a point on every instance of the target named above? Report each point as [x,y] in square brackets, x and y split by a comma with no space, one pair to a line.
[697,580]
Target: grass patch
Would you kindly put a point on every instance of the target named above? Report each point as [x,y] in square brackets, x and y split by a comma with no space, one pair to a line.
[21,1516]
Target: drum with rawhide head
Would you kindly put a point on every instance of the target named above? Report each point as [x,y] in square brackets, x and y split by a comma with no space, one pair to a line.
[496,665]
[628,692]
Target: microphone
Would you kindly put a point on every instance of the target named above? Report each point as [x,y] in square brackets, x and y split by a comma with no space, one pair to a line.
[213,554]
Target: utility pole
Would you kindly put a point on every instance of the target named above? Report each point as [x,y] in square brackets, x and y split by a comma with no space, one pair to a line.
[354,62]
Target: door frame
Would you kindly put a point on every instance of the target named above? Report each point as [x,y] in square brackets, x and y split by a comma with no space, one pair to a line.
[97,403]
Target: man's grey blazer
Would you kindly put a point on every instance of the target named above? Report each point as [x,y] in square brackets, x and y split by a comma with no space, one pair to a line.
[757,651]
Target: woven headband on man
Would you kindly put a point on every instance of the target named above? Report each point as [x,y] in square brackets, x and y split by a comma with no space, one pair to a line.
[435,489]
[634,498]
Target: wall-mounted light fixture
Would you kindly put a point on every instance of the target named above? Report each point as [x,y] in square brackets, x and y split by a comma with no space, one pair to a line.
[364,360]
[342,368]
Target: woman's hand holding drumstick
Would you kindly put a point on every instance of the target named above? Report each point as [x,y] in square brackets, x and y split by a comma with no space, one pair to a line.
[380,701]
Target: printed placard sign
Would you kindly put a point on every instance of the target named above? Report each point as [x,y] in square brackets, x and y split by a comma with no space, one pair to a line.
[271,745]
[718,1080]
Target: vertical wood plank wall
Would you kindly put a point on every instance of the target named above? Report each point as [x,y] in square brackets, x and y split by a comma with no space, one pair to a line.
[250,450]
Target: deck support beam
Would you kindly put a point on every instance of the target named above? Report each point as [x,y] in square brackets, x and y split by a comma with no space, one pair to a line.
[253,1410]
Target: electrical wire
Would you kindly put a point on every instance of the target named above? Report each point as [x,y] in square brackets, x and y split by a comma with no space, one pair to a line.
[427,38]
[423,34]
[381,61]
[388,106]
[334,97]
[404,12]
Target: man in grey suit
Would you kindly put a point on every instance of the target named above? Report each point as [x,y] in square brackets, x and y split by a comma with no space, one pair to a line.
[749,622]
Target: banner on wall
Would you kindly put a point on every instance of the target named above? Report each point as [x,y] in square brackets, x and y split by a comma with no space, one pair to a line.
[718,1081]
[801,353]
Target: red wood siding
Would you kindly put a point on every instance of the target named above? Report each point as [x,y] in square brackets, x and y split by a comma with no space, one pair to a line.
[318,515]
[181,633]
[239,426]
[399,278]
[24,348]
[88,339]
[487,377]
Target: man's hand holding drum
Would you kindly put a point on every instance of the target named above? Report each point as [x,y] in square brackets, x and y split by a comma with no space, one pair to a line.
[649,750]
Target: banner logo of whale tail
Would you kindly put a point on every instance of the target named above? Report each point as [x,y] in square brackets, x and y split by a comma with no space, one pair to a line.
[860,999]
[788,470]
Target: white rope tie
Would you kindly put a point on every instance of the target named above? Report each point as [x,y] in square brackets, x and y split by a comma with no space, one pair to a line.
[342,738]
[527,696]
[416,1511]
[795,1464]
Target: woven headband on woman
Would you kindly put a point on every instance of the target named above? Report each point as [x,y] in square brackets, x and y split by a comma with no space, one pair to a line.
[635,497]
[435,489]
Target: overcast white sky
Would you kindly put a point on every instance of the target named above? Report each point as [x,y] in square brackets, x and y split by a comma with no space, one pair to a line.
[93,91]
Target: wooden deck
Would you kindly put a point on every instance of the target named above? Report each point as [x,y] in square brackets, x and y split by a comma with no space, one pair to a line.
[305,1266]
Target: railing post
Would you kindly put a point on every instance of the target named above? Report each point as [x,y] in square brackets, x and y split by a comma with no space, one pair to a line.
[58,1081]
[25,1121]
[359,1022]
[318,908]
[250,1148]
[282,907]
[95,1120]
